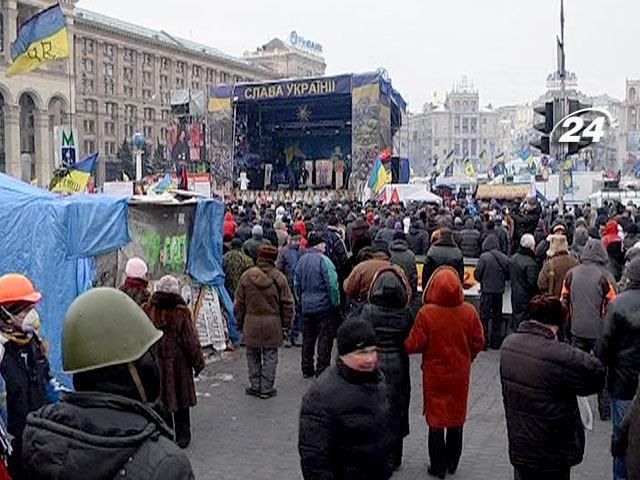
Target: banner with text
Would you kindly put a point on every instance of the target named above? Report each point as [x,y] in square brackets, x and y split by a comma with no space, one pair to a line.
[293,88]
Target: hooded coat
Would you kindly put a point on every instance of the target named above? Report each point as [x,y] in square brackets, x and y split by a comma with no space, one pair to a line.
[492,269]
[469,240]
[444,252]
[405,259]
[251,246]
[263,306]
[388,312]
[589,288]
[630,438]
[418,239]
[448,333]
[98,436]
[178,351]
[580,237]
[230,226]
[555,269]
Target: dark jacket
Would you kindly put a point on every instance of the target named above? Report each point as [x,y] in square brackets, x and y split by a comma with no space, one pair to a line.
[405,259]
[629,439]
[316,283]
[418,240]
[469,240]
[137,289]
[98,436]
[288,261]
[387,232]
[26,385]
[619,346]
[251,246]
[540,380]
[243,233]
[443,252]
[178,351]
[492,269]
[526,221]
[344,427]
[389,314]
[263,306]
[523,272]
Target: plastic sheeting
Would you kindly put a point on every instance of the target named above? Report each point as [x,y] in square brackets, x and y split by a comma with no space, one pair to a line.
[205,254]
[52,240]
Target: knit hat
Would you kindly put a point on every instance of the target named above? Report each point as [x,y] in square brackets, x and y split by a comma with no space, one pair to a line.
[136,268]
[558,243]
[168,284]
[355,334]
[315,239]
[256,230]
[379,245]
[268,252]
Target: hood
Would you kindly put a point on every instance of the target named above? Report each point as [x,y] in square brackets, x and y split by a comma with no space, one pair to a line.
[399,246]
[444,288]
[468,225]
[66,439]
[166,300]
[490,243]
[611,228]
[594,252]
[633,271]
[580,237]
[259,278]
[390,288]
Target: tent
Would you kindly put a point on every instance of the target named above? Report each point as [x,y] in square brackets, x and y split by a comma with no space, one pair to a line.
[409,193]
[53,240]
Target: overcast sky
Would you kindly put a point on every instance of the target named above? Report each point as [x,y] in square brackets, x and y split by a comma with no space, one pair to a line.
[506,47]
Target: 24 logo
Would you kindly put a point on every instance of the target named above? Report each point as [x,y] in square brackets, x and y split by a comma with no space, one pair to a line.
[575,125]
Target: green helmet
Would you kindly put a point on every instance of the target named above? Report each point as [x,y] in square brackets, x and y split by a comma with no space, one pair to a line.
[104,327]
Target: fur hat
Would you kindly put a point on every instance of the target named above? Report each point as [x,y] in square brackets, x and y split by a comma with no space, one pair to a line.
[557,244]
[168,284]
[268,252]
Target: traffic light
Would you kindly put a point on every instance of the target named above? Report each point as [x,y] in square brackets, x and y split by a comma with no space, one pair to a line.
[545,127]
[585,133]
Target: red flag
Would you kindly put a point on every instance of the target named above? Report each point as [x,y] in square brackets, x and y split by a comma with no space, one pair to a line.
[395,197]
[383,196]
[385,155]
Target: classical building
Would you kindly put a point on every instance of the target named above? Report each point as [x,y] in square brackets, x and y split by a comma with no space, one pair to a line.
[459,124]
[31,105]
[290,59]
[125,75]
[630,123]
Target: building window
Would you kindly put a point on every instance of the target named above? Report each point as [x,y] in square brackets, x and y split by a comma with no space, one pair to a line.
[147,60]
[128,130]
[632,94]
[456,148]
[180,68]
[108,69]
[87,85]
[89,127]
[180,83]
[237,79]
[165,98]
[2,50]
[224,77]
[110,148]
[128,91]
[127,73]
[474,125]
[456,106]
[465,125]
[164,63]
[474,106]
[211,76]
[87,46]
[130,112]
[163,134]
[164,81]
[111,109]
[474,147]
[195,71]
[109,87]
[128,55]
[166,115]
[87,66]
[146,78]
[90,106]
[465,106]
[148,132]
[149,114]
[147,94]
[89,147]
[195,84]
[108,50]
[465,146]
[109,128]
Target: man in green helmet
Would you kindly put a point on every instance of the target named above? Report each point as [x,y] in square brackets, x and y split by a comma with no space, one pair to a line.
[107,428]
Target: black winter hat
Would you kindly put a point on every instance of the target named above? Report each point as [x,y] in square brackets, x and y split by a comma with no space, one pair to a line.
[314,239]
[355,334]
[379,245]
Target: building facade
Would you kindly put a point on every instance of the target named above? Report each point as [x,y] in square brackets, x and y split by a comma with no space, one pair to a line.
[287,60]
[630,124]
[31,105]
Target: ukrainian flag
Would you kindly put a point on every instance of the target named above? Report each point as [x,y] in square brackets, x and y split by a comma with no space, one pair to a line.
[469,169]
[380,176]
[42,38]
[76,178]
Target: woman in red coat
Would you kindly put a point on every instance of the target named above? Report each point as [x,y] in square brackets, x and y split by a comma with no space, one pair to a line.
[449,334]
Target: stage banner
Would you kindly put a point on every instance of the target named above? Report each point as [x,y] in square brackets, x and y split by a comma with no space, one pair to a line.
[294,88]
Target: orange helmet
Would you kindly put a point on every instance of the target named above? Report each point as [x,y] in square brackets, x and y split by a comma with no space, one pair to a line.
[15,287]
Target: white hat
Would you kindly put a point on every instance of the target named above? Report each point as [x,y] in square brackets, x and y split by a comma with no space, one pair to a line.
[136,268]
[168,284]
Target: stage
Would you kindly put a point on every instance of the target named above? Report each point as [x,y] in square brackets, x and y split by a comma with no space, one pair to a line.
[316,134]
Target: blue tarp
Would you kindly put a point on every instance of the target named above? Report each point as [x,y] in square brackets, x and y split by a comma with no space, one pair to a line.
[205,254]
[53,240]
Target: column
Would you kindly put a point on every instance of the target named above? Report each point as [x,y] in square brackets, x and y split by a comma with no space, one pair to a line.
[10,30]
[44,149]
[12,140]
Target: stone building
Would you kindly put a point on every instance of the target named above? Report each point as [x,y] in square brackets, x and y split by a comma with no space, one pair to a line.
[288,60]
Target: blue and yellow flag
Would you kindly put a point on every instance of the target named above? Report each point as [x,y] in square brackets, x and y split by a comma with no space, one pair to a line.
[42,38]
[448,164]
[76,178]
[469,169]
[379,177]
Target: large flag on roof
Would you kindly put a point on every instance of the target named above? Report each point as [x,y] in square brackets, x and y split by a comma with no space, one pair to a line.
[42,38]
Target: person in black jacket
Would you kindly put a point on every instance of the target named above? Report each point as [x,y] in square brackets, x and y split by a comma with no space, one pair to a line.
[523,272]
[443,251]
[244,230]
[418,238]
[469,240]
[541,378]
[619,350]
[526,220]
[388,312]
[492,271]
[403,257]
[344,418]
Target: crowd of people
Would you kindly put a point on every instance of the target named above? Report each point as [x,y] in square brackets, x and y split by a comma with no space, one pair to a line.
[325,275]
